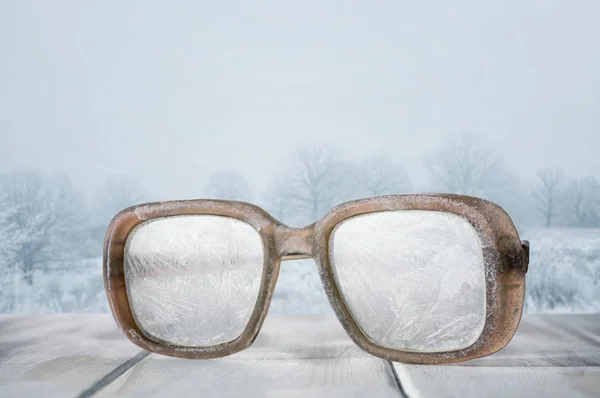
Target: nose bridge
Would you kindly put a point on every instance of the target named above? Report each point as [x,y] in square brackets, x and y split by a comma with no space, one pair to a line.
[294,242]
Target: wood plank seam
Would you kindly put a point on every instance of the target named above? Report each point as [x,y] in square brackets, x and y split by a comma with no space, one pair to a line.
[113,375]
[397,380]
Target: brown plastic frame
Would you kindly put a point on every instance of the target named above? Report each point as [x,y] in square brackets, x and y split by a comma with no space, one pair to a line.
[506,262]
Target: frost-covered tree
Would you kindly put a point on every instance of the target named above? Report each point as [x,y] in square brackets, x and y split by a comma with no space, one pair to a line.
[317,178]
[45,214]
[228,185]
[565,270]
[10,240]
[378,175]
[466,165]
[583,202]
[547,194]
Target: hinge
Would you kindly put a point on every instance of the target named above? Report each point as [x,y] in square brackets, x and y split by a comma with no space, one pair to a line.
[525,247]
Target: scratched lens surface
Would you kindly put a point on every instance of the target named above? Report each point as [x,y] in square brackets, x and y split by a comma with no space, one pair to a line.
[193,280]
[413,280]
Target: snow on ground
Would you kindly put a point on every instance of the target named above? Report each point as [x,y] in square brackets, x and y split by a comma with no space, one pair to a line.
[564,276]
[76,286]
[564,270]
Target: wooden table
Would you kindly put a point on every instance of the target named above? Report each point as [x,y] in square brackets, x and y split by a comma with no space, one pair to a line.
[295,356]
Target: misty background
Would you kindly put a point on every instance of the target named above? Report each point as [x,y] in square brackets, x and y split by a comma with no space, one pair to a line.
[295,107]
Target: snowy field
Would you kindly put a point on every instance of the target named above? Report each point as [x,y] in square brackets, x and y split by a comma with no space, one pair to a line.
[564,271]
[564,276]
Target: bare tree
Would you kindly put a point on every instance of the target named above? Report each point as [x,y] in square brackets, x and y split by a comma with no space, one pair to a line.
[228,185]
[515,197]
[465,165]
[584,202]
[118,192]
[318,179]
[276,199]
[379,176]
[45,214]
[114,194]
[547,194]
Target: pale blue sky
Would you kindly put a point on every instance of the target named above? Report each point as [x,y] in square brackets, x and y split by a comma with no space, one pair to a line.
[169,92]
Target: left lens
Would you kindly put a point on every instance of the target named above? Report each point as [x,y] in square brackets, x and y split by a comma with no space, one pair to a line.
[193,280]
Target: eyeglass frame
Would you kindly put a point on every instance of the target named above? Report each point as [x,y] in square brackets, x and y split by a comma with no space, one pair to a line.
[506,263]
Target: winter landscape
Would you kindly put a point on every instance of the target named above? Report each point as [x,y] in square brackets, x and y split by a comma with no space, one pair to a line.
[52,237]
[295,108]
[563,277]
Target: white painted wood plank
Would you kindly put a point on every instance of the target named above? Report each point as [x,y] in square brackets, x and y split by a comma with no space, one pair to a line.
[58,355]
[498,382]
[308,356]
[550,356]
[63,355]
[551,340]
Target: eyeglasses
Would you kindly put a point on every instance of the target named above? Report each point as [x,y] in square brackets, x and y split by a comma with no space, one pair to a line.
[424,278]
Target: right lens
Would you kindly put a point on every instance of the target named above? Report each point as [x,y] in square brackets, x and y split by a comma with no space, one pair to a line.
[413,280]
[193,280]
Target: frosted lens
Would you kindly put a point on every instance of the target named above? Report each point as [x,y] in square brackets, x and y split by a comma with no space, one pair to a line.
[413,280]
[193,280]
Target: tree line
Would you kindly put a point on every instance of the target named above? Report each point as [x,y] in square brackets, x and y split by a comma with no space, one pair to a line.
[45,220]
[314,179]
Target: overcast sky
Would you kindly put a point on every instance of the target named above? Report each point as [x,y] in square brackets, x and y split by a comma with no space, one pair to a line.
[171,91]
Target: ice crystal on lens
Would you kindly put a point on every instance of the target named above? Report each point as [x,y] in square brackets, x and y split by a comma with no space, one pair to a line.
[412,279]
[193,280]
